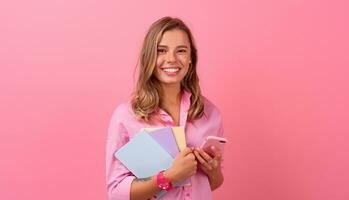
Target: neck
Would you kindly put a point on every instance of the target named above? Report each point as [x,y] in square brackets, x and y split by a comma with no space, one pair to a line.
[171,94]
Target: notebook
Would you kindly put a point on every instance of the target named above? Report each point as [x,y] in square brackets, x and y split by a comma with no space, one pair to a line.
[178,132]
[166,139]
[143,156]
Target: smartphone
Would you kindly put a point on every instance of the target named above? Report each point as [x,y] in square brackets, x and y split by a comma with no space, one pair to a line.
[218,142]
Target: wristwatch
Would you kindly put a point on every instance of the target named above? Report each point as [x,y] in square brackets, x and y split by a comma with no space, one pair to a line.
[162,182]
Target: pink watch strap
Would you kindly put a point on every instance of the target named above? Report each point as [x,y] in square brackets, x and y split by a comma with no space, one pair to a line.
[162,182]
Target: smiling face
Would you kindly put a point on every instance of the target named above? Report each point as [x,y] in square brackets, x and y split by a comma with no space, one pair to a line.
[173,57]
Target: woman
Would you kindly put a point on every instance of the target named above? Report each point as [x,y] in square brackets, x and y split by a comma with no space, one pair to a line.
[167,94]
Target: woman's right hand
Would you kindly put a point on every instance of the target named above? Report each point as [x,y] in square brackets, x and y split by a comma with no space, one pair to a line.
[184,166]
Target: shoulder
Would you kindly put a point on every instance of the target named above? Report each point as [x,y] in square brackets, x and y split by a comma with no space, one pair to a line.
[123,108]
[123,113]
[121,121]
[210,109]
[125,119]
[213,117]
[211,122]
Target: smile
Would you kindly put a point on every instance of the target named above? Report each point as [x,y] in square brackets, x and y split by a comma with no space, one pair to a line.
[171,70]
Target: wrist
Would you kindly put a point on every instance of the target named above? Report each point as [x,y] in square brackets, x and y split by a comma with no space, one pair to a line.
[215,174]
[168,175]
[163,182]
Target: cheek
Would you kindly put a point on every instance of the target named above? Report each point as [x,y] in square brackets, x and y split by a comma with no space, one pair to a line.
[184,60]
[185,72]
[185,63]
[158,62]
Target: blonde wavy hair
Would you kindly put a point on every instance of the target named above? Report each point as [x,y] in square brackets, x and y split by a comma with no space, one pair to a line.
[146,98]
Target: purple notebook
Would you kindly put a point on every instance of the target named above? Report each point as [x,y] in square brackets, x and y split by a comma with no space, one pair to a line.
[166,139]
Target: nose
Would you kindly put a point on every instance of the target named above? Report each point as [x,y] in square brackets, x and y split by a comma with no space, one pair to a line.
[170,57]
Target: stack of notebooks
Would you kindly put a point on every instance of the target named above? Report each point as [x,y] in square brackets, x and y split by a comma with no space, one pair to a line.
[153,150]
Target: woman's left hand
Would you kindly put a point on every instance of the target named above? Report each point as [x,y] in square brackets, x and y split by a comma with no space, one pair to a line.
[210,165]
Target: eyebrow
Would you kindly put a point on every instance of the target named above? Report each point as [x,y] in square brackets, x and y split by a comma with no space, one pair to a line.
[180,46]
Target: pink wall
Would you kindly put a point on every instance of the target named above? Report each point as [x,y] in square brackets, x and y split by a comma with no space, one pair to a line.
[276,69]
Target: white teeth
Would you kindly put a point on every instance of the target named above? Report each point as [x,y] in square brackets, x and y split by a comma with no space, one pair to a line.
[171,69]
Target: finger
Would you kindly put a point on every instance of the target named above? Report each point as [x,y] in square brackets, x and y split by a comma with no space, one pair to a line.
[186,151]
[198,157]
[201,160]
[214,163]
[205,155]
[190,156]
[216,152]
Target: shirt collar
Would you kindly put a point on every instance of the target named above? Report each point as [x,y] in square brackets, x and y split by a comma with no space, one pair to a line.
[184,107]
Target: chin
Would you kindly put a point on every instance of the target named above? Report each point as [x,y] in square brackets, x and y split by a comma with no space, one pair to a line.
[170,82]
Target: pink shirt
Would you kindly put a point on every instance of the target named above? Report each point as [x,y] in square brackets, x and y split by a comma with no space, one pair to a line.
[124,126]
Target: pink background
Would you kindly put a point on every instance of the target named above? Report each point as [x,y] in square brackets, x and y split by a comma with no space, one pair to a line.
[276,69]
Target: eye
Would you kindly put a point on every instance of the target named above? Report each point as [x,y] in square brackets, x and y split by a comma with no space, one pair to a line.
[161,51]
[182,50]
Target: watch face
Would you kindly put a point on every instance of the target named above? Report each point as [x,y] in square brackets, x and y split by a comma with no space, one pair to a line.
[163,186]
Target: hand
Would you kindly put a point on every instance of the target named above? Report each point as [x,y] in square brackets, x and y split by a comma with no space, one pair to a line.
[183,167]
[209,165]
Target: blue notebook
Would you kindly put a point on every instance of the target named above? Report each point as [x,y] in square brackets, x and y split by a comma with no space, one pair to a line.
[143,156]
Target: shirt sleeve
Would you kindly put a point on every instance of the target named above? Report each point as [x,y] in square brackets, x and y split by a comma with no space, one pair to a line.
[221,134]
[119,178]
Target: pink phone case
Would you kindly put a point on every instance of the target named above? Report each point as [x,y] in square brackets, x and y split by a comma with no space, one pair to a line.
[218,142]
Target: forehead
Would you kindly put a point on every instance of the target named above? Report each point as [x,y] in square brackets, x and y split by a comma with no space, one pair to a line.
[174,37]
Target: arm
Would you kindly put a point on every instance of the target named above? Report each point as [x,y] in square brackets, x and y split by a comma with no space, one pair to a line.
[118,177]
[144,188]
[216,180]
[211,166]
[121,183]
[183,167]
